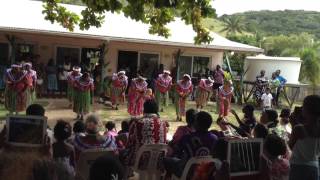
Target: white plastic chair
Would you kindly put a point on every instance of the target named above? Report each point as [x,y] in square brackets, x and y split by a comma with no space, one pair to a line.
[196,161]
[86,159]
[149,161]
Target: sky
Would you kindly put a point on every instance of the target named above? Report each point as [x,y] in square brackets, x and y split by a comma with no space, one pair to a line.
[234,6]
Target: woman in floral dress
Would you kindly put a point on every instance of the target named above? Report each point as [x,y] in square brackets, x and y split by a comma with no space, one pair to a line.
[183,88]
[16,85]
[32,77]
[118,90]
[163,86]
[203,92]
[83,91]
[136,96]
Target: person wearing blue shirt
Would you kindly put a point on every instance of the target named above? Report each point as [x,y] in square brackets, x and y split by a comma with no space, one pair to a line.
[283,81]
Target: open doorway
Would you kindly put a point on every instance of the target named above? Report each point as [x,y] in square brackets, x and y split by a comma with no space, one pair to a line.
[128,61]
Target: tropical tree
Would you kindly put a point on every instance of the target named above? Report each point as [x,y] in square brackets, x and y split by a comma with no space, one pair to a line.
[310,69]
[156,13]
[232,25]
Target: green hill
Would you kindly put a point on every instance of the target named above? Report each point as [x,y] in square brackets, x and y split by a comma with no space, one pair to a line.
[281,22]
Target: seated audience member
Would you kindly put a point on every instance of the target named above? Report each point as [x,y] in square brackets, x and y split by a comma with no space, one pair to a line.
[123,135]
[63,153]
[260,131]
[149,94]
[111,129]
[30,166]
[199,143]
[150,129]
[124,127]
[44,169]
[38,110]
[269,118]
[273,166]
[225,129]
[79,128]
[106,168]
[284,120]
[185,130]
[305,142]
[296,117]
[249,121]
[92,138]
[35,110]
[205,171]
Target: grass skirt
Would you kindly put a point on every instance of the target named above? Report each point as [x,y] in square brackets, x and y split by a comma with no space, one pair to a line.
[31,96]
[82,104]
[202,97]
[162,98]
[14,101]
[180,105]
[70,91]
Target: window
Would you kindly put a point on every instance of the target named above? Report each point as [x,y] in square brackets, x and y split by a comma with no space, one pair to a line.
[200,64]
[68,54]
[185,65]
[148,64]
[90,55]
[194,65]
[23,51]
[4,53]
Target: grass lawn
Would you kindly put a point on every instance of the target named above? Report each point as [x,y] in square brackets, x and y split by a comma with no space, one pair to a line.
[169,113]
[4,112]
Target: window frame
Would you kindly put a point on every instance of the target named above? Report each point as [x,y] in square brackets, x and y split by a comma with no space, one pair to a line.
[192,60]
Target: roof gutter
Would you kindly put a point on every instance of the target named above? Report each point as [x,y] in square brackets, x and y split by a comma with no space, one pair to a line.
[122,39]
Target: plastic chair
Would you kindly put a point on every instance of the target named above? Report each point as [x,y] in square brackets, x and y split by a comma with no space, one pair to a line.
[193,162]
[87,157]
[149,161]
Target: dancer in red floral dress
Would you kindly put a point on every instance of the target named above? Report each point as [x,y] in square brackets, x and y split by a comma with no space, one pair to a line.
[136,96]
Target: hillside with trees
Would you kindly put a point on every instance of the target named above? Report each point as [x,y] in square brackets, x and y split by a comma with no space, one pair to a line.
[280,22]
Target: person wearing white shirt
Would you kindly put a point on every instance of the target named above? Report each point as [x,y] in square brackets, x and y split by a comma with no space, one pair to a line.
[267,99]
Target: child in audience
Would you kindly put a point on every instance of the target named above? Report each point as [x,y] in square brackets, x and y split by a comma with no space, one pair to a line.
[149,94]
[260,131]
[296,117]
[305,142]
[111,129]
[284,120]
[63,152]
[212,170]
[225,95]
[185,130]
[199,143]
[273,166]
[248,122]
[267,99]
[106,168]
[269,118]
[123,135]
[124,127]
[225,129]
[79,128]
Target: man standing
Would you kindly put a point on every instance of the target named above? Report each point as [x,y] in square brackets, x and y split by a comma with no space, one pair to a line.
[163,86]
[218,77]
[282,81]
[118,90]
